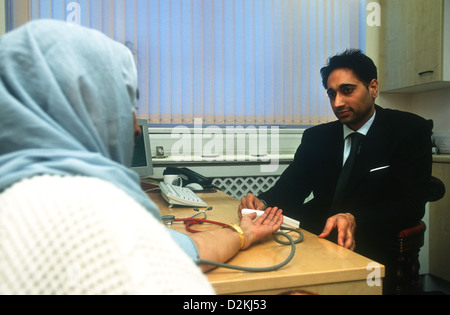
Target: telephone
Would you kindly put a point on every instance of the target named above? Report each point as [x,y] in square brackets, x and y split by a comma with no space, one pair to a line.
[189,177]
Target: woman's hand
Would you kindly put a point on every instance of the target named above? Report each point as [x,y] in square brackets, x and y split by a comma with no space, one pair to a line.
[267,224]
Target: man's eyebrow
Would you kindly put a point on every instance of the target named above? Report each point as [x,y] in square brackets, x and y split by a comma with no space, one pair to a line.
[342,86]
[345,85]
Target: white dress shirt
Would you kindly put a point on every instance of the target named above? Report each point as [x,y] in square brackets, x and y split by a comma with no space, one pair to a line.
[348,141]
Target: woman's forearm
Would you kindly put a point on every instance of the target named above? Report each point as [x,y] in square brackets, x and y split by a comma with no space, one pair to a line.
[219,245]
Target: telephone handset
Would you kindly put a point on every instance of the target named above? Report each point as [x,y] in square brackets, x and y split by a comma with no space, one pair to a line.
[189,177]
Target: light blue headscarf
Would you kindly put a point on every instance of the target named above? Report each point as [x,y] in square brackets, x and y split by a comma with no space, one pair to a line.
[67,97]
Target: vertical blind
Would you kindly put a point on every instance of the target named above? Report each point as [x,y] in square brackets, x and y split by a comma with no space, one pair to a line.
[234,62]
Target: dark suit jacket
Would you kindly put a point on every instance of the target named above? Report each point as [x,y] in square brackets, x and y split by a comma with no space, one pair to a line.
[383,201]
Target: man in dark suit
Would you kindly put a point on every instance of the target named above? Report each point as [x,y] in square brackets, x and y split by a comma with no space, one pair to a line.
[386,189]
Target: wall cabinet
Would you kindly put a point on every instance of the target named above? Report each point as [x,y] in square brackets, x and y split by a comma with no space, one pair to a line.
[414,45]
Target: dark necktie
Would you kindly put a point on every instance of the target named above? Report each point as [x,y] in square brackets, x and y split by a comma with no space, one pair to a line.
[347,168]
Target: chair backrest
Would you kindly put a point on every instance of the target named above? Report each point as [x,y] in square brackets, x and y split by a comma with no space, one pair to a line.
[436,190]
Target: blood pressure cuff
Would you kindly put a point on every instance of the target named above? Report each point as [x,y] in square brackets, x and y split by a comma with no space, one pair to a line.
[185,243]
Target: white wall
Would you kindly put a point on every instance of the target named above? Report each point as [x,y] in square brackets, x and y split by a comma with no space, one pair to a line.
[433,105]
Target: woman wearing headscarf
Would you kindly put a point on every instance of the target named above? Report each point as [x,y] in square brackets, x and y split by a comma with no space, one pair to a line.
[73,218]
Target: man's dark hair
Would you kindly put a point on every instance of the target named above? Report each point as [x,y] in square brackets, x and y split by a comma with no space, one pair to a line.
[353,59]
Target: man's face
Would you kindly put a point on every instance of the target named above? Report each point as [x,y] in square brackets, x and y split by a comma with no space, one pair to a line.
[352,101]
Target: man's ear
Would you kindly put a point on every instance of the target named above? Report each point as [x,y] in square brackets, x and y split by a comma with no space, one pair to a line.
[373,88]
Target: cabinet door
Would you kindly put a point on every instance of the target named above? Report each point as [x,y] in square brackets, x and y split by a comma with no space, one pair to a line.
[428,41]
[411,43]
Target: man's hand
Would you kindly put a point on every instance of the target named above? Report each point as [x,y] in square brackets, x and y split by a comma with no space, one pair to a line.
[250,202]
[345,225]
[267,224]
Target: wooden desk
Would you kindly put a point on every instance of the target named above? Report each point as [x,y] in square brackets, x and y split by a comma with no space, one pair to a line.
[318,266]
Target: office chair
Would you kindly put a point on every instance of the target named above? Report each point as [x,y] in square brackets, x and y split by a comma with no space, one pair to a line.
[406,248]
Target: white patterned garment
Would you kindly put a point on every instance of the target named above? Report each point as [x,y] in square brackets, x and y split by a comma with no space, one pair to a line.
[80,235]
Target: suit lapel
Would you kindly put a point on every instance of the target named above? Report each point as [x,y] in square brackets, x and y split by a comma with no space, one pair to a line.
[335,151]
[373,144]
[338,147]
